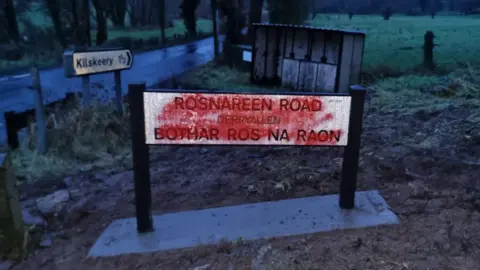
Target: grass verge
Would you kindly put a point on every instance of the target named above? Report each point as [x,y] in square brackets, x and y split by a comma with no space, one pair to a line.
[79,139]
[84,139]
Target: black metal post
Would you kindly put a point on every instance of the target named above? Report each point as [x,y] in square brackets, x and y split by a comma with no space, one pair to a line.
[351,153]
[12,130]
[141,160]
[86,90]
[118,91]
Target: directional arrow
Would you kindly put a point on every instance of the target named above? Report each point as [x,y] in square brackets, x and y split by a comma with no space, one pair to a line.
[86,63]
[130,58]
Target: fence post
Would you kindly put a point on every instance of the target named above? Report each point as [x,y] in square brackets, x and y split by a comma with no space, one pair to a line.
[118,92]
[11,225]
[86,89]
[141,159]
[351,152]
[12,129]
[39,112]
[428,50]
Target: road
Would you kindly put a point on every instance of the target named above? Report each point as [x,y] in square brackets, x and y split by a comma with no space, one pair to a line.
[150,67]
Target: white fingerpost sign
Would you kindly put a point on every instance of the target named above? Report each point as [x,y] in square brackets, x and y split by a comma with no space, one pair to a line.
[85,63]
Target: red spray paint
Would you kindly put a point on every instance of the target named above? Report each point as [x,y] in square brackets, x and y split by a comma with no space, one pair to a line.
[249,119]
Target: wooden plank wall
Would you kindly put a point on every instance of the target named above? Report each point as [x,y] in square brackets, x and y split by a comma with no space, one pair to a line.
[300,47]
[318,73]
[307,76]
[290,65]
[259,60]
[327,48]
[326,76]
[345,65]
[290,73]
[272,45]
[332,53]
[282,48]
[357,57]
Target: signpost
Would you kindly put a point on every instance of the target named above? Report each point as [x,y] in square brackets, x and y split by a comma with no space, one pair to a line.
[239,119]
[200,118]
[40,121]
[85,63]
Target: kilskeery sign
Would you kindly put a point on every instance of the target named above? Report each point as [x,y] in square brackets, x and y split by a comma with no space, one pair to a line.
[93,62]
[246,119]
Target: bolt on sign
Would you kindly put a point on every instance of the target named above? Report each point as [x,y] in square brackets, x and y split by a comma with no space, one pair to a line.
[246,119]
[171,117]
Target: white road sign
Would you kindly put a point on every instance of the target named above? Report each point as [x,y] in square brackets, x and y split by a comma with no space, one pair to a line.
[85,63]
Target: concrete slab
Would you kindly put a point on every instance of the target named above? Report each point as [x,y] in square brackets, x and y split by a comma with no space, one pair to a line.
[248,222]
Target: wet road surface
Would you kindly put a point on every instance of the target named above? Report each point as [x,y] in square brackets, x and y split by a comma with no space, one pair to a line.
[149,67]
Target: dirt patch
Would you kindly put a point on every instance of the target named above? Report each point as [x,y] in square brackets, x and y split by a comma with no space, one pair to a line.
[424,162]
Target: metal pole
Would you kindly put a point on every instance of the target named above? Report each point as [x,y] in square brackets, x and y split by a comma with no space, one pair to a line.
[118,92]
[86,90]
[11,121]
[141,161]
[39,112]
[351,154]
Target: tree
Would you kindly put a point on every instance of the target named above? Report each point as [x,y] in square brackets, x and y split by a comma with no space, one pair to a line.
[235,20]
[423,5]
[161,17]
[78,37]
[11,21]
[54,12]
[86,24]
[255,16]
[288,11]
[451,5]
[213,6]
[101,16]
[188,8]
[117,11]
[387,13]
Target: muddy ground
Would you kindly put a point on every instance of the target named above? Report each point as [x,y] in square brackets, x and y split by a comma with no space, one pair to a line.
[424,162]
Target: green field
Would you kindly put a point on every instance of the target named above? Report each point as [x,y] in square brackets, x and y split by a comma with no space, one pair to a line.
[397,43]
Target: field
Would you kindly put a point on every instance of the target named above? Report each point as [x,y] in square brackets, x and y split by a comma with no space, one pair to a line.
[397,43]
[420,148]
[38,16]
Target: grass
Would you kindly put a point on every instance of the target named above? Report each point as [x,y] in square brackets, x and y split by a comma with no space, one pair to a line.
[397,43]
[79,139]
[96,138]
[87,139]
[46,59]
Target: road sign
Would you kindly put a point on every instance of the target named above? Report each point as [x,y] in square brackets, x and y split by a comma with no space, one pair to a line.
[246,119]
[92,62]
[85,63]
[302,119]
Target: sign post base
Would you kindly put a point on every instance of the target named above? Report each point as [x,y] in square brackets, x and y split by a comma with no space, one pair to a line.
[211,226]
